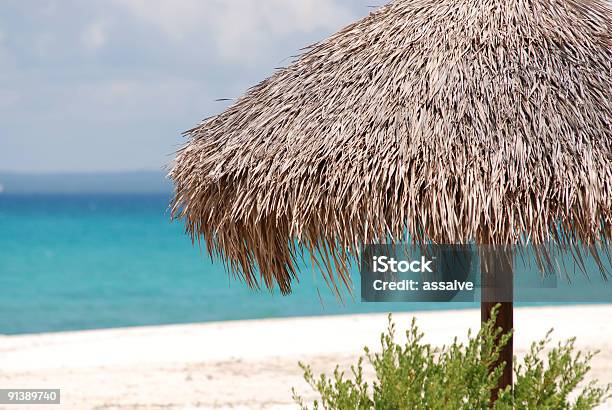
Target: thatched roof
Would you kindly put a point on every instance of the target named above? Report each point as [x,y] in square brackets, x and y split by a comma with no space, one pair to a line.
[449,120]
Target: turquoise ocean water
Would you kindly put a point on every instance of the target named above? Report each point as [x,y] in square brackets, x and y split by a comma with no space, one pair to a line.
[70,262]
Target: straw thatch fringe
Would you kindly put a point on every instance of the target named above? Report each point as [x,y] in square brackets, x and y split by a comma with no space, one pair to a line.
[452,121]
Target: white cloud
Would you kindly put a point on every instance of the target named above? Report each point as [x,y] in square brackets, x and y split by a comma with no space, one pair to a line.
[237,28]
[164,64]
[94,36]
[8,65]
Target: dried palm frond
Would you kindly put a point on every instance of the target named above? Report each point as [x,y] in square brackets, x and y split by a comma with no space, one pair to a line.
[447,120]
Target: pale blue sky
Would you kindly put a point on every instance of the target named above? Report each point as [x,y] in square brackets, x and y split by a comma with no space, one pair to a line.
[109,85]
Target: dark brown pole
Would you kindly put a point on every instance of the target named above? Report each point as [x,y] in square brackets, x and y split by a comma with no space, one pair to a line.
[497,288]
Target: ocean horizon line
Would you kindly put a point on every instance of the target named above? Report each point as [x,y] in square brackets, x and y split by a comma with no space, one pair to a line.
[137,181]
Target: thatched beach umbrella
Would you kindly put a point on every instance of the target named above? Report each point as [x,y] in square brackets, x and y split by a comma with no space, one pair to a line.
[451,121]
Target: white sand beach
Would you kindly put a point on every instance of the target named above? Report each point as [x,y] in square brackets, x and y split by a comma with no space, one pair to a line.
[247,364]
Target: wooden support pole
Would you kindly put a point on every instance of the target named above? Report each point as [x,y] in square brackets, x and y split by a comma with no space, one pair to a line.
[497,288]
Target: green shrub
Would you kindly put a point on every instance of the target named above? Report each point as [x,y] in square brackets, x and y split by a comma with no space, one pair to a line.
[419,376]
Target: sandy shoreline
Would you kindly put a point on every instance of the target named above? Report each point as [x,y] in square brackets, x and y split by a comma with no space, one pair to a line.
[247,364]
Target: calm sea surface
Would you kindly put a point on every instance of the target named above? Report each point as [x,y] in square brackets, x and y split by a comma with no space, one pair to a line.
[71,262]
